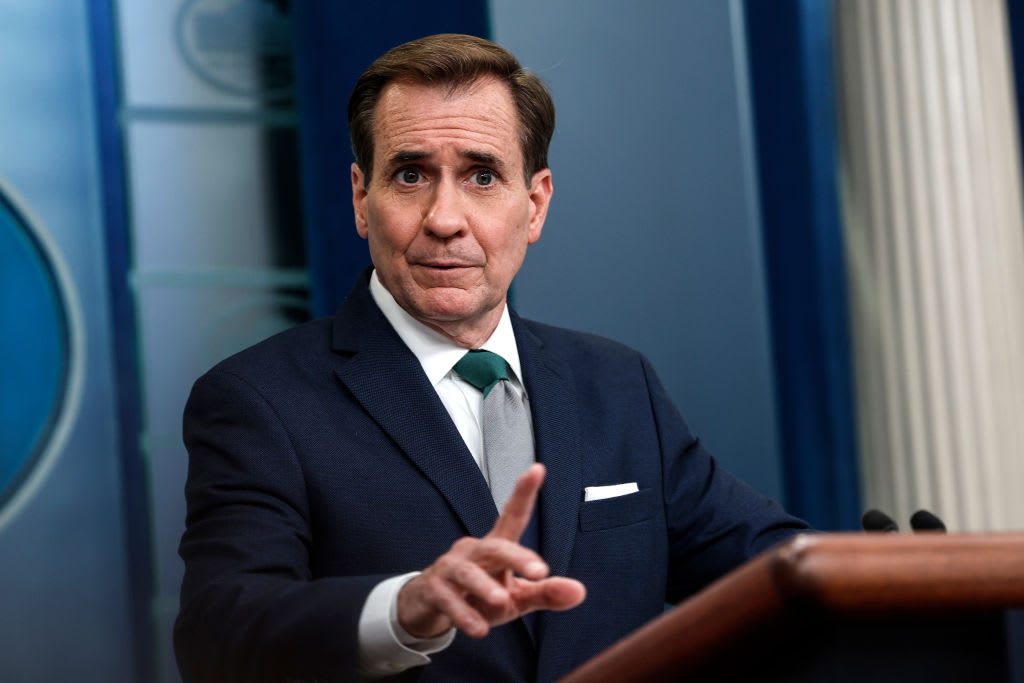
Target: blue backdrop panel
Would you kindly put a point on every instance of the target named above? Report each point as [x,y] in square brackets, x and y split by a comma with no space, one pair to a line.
[653,238]
[336,41]
[790,50]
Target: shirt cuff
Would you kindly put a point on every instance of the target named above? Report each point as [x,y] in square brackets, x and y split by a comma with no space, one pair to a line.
[385,649]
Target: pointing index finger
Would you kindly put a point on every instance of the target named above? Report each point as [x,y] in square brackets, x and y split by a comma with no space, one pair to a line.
[519,507]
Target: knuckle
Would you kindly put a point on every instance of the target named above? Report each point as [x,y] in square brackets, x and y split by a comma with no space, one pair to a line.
[463,573]
[491,545]
[464,545]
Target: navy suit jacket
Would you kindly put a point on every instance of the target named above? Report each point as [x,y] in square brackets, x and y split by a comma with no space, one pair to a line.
[323,461]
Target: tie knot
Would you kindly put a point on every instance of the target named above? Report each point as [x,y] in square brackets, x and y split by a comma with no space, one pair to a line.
[482,369]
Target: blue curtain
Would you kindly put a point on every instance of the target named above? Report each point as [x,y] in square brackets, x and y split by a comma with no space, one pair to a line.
[790,50]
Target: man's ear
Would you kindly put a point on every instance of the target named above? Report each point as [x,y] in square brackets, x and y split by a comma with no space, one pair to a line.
[359,199]
[540,197]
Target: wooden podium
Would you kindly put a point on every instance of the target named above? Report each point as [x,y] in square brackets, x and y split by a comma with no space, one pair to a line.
[842,607]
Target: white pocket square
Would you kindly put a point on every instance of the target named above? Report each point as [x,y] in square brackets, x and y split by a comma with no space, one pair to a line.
[613,491]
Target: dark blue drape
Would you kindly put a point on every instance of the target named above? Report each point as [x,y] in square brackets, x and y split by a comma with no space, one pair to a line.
[790,48]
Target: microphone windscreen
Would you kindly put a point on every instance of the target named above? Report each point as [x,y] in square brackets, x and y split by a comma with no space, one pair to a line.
[922,520]
[876,520]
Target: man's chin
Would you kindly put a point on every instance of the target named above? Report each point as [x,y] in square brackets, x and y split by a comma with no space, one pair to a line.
[446,314]
[445,304]
[454,313]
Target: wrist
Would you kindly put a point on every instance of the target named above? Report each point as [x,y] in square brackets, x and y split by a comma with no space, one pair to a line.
[414,618]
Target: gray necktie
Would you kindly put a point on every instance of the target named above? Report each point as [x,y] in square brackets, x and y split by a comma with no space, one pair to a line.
[508,441]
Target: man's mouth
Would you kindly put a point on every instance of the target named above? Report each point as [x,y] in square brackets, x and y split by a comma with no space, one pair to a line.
[444,265]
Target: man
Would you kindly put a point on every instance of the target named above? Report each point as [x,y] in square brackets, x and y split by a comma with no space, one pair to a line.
[345,477]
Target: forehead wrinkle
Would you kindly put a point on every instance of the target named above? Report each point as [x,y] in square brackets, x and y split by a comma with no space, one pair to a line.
[473,144]
[482,127]
[448,121]
[415,127]
[453,99]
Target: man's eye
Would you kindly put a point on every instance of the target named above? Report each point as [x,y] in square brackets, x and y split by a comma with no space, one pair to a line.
[409,176]
[483,177]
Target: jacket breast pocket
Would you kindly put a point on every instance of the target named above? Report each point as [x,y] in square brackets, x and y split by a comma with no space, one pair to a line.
[618,511]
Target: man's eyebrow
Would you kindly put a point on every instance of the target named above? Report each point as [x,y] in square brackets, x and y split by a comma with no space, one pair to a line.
[410,155]
[405,156]
[483,158]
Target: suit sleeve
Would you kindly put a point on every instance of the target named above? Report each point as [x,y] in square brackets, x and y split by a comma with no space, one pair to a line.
[250,609]
[715,521]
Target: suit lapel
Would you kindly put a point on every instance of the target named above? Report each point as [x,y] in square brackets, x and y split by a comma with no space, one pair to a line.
[388,381]
[558,446]
[556,427]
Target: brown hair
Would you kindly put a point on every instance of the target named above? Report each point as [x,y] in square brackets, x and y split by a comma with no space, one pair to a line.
[454,61]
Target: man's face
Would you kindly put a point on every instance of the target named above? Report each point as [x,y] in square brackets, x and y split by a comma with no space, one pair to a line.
[447,212]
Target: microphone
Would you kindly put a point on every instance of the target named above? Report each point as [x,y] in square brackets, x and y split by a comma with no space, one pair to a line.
[922,520]
[876,520]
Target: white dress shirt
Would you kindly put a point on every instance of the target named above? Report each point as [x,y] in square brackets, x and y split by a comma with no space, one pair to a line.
[384,647]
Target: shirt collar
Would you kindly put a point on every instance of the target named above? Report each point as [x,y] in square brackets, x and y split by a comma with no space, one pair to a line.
[435,352]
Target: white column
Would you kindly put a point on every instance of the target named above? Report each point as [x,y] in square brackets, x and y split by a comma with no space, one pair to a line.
[935,241]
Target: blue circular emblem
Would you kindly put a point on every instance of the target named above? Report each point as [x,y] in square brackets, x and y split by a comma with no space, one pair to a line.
[41,351]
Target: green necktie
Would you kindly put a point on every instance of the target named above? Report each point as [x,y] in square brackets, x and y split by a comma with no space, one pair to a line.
[482,369]
[508,438]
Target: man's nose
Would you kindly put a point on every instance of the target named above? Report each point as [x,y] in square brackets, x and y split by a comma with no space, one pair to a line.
[445,216]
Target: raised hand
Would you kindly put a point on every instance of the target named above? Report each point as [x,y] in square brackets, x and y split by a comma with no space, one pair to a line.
[489,581]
